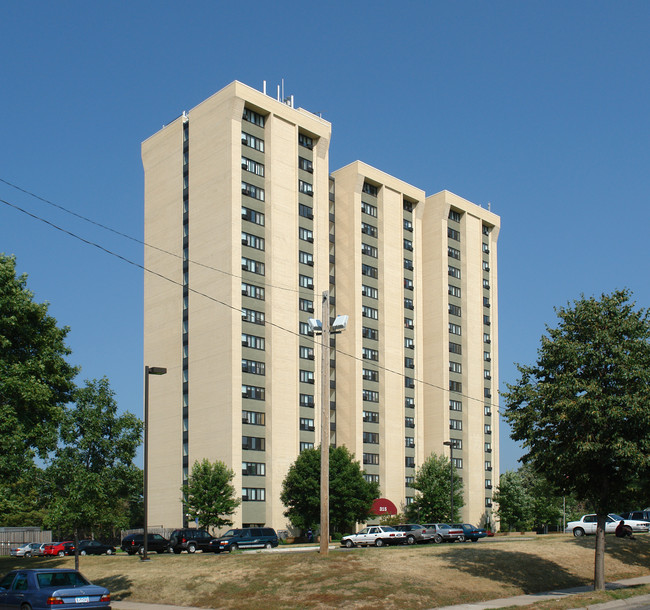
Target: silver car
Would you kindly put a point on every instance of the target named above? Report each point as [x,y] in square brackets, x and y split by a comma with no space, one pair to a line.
[415,533]
[377,535]
[26,550]
[442,532]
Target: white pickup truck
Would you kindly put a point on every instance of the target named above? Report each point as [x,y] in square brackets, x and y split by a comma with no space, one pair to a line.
[588,523]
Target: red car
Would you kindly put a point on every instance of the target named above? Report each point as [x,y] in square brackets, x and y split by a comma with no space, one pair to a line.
[59,548]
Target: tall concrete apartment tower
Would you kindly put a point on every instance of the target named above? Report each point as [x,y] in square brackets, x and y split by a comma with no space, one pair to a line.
[245,230]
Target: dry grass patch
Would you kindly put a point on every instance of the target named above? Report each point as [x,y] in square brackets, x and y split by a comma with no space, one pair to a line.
[388,578]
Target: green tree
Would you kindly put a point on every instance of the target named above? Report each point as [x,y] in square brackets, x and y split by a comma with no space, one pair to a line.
[210,494]
[91,474]
[36,381]
[583,409]
[514,504]
[433,503]
[23,502]
[351,496]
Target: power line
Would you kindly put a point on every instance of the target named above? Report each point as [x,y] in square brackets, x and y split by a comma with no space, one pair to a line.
[229,306]
[253,281]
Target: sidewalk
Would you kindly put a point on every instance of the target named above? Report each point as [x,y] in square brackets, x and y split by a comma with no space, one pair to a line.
[641,601]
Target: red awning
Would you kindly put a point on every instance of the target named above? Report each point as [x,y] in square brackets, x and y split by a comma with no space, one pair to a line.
[383,506]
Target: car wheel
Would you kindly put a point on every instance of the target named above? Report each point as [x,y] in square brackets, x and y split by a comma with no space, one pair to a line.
[379,542]
[109,551]
[28,555]
[474,539]
[141,550]
[410,540]
[437,538]
[234,547]
[349,544]
[578,532]
[61,553]
[191,548]
[461,538]
[25,607]
[268,545]
[82,552]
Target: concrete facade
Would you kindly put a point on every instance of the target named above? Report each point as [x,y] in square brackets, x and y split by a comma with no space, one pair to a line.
[245,229]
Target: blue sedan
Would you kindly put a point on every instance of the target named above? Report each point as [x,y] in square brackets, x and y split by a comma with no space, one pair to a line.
[471,533]
[43,588]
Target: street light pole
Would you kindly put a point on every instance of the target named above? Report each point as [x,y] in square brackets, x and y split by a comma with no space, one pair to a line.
[148,370]
[325,429]
[325,329]
[451,469]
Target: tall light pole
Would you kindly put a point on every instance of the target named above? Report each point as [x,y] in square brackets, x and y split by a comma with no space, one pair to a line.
[325,329]
[148,370]
[450,444]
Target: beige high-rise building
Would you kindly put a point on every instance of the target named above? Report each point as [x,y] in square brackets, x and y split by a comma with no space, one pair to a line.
[246,229]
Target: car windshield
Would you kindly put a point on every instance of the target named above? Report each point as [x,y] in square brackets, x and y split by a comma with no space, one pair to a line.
[61,579]
[388,528]
[615,517]
[231,533]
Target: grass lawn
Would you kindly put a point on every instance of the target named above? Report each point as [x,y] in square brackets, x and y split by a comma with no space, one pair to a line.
[393,577]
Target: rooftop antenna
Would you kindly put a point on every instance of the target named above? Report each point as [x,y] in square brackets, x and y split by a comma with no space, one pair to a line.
[489,205]
[264,87]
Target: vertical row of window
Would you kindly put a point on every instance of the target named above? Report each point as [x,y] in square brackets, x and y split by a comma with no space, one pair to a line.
[305,163]
[487,374]
[409,344]
[253,309]
[186,296]
[455,311]
[370,329]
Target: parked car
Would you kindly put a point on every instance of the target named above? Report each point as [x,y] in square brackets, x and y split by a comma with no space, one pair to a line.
[94,547]
[415,533]
[442,532]
[587,525]
[134,543]
[25,550]
[636,515]
[245,538]
[190,540]
[379,535]
[471,533]
[59,548]
[43,588]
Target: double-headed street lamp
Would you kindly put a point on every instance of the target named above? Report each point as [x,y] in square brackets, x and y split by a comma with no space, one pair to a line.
[325,329]
[450,444]
[148,370]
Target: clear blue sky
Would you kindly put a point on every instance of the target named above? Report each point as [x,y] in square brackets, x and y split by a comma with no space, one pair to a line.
[540,108]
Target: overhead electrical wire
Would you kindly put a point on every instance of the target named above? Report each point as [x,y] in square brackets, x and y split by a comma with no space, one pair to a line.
[197,292]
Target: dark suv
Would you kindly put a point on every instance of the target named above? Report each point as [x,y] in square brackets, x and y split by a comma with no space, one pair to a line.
[134,543]
[245,538]
[190,540]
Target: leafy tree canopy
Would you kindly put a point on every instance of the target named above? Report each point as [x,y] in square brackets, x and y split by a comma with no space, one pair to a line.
[210,495]
[35,379]
[583,409]
[91,474]
[351,496]
[433,503]
[514,503]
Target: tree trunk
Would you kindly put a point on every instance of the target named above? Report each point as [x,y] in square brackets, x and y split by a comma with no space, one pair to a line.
[599,559]
[76,549]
